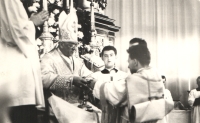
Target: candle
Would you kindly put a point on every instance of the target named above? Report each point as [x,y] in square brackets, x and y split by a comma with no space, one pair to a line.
[45,5]
[92,11]
[67,3]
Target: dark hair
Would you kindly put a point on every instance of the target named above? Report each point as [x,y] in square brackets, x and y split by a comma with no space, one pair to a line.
[198,78]
[141,53]
[163,77]
[138,41]
[106,48]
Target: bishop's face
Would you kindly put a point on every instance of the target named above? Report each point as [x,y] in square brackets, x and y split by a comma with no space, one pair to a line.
[109,58]
[68,48]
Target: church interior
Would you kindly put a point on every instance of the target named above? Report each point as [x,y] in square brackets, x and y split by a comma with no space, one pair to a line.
[171,29]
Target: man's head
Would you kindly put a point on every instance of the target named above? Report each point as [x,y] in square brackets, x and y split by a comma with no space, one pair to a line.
[67,48]
[198,82]
[139,57]
[109,56]
[137,41]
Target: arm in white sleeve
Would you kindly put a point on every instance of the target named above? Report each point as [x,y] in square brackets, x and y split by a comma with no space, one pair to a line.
[96,90]
[114,91]
[191,98]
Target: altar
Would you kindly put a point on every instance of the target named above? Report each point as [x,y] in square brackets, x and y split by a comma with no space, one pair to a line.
[179,116]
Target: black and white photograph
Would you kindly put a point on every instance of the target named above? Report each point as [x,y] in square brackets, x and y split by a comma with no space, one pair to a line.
[99,61]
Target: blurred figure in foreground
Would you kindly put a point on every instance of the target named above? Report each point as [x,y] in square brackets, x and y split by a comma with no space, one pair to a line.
[19,60]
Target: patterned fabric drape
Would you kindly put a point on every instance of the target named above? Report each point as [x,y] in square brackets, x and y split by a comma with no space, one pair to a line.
[172,31]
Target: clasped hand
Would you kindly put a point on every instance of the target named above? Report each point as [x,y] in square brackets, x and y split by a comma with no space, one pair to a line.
[39,18]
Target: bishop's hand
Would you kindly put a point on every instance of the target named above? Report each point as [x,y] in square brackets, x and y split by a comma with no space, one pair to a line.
[80,82]
[91,82]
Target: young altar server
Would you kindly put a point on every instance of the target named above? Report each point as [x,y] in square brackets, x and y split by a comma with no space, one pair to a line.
[110,113]
[110,72]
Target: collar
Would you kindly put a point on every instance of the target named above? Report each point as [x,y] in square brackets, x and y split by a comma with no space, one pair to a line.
[198,89]
[141,69]
[107,71]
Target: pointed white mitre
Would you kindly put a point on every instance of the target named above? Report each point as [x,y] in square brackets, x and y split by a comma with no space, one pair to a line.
[68,26]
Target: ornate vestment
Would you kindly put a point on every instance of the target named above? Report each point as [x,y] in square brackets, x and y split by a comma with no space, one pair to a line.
[57,75]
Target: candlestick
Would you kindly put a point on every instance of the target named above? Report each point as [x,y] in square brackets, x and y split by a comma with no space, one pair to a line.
[92,12]
[46,36]
[45,5]
[92,17]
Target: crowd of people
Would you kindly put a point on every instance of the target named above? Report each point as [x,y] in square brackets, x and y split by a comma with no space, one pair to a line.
[119,97]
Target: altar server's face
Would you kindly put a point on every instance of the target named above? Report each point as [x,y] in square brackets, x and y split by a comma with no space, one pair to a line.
[109,58]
